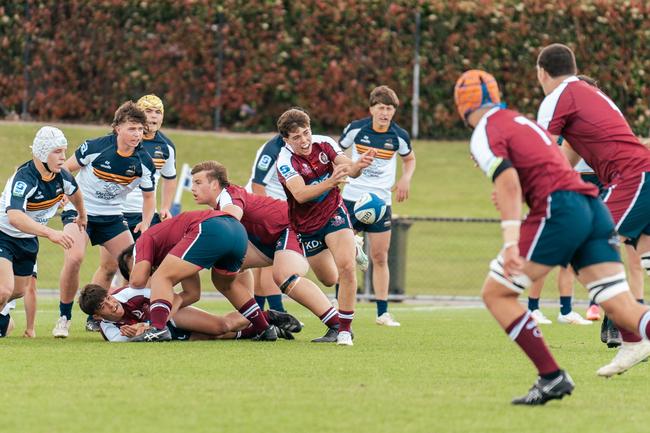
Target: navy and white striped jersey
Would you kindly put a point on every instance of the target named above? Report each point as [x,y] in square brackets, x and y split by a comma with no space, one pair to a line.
[106,176]
[28,192]
[163,152]
[379,177]
[264,171]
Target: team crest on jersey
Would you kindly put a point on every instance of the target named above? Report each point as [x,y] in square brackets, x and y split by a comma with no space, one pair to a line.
[137,313]
[106,165]
[19,189]
[130,171]
[39,195]
[389,144]
[265,163]
[59,190]
[306,168]
[158,153]
[322,157]
[337,220]
[365,139]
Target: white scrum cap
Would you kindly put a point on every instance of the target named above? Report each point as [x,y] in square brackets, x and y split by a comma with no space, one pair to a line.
[47,139]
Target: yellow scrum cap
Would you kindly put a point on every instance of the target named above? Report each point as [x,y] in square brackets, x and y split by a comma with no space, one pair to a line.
[151,101]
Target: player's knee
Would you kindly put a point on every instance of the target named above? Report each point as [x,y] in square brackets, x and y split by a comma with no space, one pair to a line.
[5,295]
[347,272]
[645,262]
[607,288]
[379,259]
[73,260]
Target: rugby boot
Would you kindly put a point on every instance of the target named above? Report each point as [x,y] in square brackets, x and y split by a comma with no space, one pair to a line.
[540,318]
[344,339]
[329,337]
[284,321]
[92,325]
[284,334]
[593,313]
[387,319]
[361,257]
[613,335]
[629,355]
[269,334]
[153,335]
[547,389]
[62,328]
[573,318]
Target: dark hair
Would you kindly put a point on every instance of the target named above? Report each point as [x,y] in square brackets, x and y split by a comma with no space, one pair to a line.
[587,79]
[129,112]
[214,171]
[291,119]
[123,261]
[384,95]
[557,60]
[91,298]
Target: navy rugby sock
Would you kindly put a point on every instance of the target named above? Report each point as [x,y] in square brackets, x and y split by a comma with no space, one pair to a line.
[565,305]
[275,303]
[533,304]
[4,325]
[66,309]
[382,307]
[641,301]
[261,300]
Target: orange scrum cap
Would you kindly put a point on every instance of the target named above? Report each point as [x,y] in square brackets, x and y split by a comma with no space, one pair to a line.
[475,89]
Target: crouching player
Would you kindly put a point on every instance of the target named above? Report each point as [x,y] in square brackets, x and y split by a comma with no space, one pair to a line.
[178,248]
[567,223]
[29,200]
[271,240]
[124,314]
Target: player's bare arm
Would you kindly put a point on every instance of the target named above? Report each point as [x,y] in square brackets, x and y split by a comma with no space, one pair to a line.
[148,209]
[258,188]
[304,193]
[82,218]
[168,190]
[403,185]
[568,151]
[233,210]
[508,196]
[25,224]
[354,168]
[72,165]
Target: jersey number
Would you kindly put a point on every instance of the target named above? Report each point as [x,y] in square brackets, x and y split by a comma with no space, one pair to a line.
[524,121]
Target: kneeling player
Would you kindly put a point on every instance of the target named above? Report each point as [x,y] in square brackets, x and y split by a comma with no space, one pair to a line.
[125,314]
[567,223]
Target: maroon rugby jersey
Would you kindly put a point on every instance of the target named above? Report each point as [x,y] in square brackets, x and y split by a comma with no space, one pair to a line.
[315,168]
[542,169]
[154,244]
[135,303]
[595,128]
[264,218]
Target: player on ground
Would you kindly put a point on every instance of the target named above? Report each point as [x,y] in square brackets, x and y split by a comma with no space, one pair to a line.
[310,168]
[264,181]
[178,248]
[596,131]
[124,314]
[380,133]
[567,223]
[109,168]
[271,240]
[30,198]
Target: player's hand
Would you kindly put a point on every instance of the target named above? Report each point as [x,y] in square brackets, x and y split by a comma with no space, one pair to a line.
[64,201]
[63,239]
[402,188]
[82,221]
[29,333]
[366,159]
[513,263]
[164,214]
[339,175]
[131,330]
[141,227]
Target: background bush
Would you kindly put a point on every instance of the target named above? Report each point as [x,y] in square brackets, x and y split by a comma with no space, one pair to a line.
[87,57]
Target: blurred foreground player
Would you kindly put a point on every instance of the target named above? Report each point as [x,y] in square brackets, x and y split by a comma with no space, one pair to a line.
[567,223]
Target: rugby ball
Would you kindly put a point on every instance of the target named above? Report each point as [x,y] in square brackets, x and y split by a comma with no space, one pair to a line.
[369,208]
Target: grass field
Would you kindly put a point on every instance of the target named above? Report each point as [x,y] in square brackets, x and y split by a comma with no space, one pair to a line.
[444,370]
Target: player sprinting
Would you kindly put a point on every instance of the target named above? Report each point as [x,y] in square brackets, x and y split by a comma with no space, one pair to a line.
[310,168]
[178,248]
[381,133]
[567,223]
[124,314]
[109,168]
[271,240]
[29,200]
[264,181]
[597,131]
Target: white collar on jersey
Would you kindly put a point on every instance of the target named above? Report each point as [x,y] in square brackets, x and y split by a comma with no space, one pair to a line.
[571,79]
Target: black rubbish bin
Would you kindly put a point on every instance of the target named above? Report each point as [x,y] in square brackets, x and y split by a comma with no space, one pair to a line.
[396,257]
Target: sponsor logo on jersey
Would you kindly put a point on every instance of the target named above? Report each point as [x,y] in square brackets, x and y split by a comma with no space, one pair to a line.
[19,189]
[130,171]
[59,190]
[365,139]
[39,195]
[106,164]
[285,169]
[158,153]
[389,145]
[265,163]
[322,157]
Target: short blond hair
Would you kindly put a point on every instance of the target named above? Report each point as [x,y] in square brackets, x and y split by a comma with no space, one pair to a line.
[214,171]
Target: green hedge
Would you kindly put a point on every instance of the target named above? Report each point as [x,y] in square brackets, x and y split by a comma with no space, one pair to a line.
[88,56]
